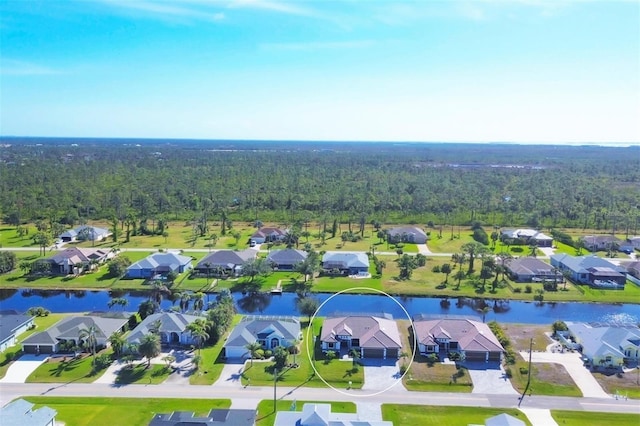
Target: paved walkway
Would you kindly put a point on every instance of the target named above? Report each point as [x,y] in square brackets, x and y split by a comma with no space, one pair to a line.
[539,416]
[572,362]
[22,368]
[423,249]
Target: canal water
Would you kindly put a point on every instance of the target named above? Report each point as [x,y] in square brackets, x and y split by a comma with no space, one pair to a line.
[285,304]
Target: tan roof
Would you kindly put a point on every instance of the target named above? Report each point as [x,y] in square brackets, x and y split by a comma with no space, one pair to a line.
[470,335]
[373,332]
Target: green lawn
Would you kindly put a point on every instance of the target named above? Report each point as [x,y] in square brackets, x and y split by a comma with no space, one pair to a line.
[65,370]
[446,244]
[584,418]
[42,323]
[401,414]
[546,379]
[140,374]
[105,411]
[212,364]
[337,373]
[266,415]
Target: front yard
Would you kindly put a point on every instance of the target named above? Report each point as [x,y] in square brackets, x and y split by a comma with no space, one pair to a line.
[266,415]
[337,373]
[92,411]
[401,414]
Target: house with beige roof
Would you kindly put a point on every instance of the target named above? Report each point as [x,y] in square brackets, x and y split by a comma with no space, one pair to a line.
[74,260]
[472,339]
[372,336]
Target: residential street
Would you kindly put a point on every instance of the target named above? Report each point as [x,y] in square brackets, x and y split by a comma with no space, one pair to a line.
[248,396]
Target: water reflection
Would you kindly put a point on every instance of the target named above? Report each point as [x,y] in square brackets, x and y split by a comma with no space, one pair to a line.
[254,301]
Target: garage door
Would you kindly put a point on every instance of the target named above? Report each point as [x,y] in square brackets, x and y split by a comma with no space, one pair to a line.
[494,356]
[373,353]
[475,356]
[392,353]
[29,349]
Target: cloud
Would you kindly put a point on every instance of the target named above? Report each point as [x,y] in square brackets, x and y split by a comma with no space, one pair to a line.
[16,67]
[273,6]
[183,12]
[312,46]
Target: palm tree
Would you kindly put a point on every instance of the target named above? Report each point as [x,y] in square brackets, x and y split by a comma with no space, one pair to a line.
[199,332]
[293,349]
[89,336]
[185,298]
[117,342]
[149,347]
[446,269]
[198,301]
[253,349]
[155,326]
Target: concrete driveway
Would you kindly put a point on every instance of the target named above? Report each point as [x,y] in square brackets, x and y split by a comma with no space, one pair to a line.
[22,368]
[572,362]
[231,373]
[381,374]
[490,380]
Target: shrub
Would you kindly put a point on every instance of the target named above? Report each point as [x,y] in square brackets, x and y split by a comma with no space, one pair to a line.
[528,289]
[481,236]
[524,370]
[403,369]
[436,269]
[38,311]
[517,290]
[508,372]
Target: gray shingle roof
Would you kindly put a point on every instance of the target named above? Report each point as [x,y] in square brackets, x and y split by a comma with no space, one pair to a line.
[227,258]
[10,323]
[343,260]
[601,341]
[321,415]
[287,256]
[247,330]
[21,413]
[528,265]
[581,264]
[227,417]
[171,260]
[171,322]
[72,327]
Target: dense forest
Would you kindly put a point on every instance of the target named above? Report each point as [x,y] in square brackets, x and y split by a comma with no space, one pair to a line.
[68,181]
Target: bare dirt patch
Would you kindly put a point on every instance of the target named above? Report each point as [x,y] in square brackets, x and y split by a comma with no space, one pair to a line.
[520,336]
[621,383]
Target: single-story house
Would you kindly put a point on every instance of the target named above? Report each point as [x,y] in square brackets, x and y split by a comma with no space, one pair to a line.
[268,235]
[633,269]
[225,262]
[527,236]
[20,413]
[591,270]
[72,329]
[504,419]
[12,326]
[606,345]
[347,263]
[287,259]
[85,233]
[173,328]
[635,242]
[531,269]
[321,415]
[373,336]
[601,242]
[227,416]
[159,264]
[473,339]
[269,331]
[75,260]
[407,234]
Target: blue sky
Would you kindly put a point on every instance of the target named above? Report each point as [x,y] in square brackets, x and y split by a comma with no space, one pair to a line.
[542,71]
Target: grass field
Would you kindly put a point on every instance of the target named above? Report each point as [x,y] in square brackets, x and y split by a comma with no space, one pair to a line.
[137,411]
[140,374]
[582,418]
[401,414]
[266,415]
[66,370]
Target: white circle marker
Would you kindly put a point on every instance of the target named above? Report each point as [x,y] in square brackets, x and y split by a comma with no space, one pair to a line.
[308,339]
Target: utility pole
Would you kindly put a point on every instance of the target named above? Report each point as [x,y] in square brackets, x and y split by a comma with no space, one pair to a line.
[275,381]
[526,388]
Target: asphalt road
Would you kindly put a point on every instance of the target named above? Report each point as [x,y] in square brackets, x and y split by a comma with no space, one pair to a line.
[248,396]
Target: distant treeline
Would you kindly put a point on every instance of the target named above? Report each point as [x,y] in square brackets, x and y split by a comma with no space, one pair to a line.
[70,180]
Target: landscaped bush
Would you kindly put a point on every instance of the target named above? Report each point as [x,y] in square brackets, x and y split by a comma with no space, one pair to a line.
[528,289]
[481,236]
[517,290]
[524,370]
